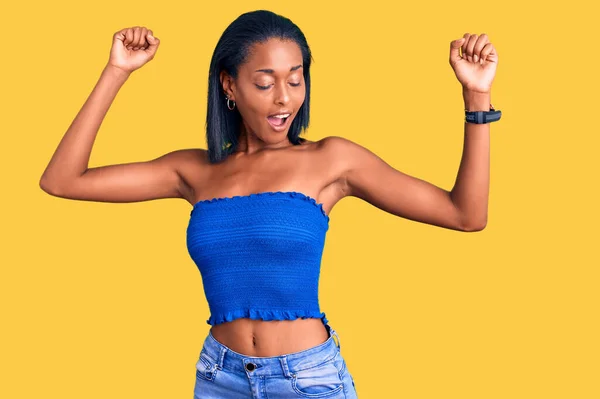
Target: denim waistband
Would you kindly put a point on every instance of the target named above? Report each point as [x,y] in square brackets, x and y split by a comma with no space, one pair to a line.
[224,357]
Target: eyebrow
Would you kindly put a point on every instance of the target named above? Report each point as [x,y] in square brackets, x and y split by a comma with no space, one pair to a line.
[272,71]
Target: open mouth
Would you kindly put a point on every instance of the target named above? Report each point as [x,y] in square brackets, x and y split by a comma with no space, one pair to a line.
[279,122]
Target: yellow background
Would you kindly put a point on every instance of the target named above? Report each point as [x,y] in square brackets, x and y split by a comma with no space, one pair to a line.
[101,300]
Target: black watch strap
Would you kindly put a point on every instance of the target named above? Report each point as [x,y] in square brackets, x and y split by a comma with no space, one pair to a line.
[480,117]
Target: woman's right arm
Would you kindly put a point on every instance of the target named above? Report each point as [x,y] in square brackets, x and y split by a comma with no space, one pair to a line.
[67,174]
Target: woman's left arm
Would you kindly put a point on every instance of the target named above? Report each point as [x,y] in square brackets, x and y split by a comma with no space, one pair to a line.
[464,208]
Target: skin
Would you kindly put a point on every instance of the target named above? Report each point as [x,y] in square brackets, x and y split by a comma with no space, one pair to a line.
[328,169]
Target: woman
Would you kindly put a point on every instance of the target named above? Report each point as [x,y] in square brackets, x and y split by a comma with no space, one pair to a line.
[261,198]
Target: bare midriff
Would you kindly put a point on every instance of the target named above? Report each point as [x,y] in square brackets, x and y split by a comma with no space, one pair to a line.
[270,338]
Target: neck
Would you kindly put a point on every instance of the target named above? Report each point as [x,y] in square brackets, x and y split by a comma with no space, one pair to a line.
[249,143]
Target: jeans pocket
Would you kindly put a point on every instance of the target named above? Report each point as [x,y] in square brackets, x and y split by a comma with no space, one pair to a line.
[206,367]
[346,377]
[321,381]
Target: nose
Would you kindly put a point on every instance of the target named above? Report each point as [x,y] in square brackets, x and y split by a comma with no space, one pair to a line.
[282,96]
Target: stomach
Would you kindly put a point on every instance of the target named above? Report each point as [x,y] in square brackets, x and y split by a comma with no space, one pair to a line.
[270,338]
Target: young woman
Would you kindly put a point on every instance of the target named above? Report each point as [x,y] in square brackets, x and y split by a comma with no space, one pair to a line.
[261,198]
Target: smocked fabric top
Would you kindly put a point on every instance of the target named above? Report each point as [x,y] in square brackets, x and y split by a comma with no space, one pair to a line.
[259,255]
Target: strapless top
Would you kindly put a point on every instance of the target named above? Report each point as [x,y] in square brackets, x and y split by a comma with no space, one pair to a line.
[259,255]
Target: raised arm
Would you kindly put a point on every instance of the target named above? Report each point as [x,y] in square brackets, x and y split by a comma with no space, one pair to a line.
[370,178]
[465,207]
[68,175]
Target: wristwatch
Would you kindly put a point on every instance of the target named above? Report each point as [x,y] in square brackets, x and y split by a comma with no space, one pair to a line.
[480,117]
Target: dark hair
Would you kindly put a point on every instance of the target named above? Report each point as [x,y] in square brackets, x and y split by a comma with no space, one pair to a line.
[232,50]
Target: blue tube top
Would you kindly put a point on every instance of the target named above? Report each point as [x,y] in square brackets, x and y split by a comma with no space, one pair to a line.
[259,255]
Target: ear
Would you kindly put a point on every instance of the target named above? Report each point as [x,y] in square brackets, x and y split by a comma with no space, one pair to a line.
[228,84]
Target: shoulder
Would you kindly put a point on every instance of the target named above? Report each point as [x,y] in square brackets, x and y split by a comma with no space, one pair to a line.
[178,157]
[339,144]
[344,152]
[335,141]
[190,164]
[332,150]
[182,159]
[342,158]
[189,155]
[353,162]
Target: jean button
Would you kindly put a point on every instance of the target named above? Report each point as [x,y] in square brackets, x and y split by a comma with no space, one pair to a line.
[250,366]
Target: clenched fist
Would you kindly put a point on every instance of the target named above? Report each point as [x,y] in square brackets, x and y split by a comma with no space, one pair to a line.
[476,68]
[132,48]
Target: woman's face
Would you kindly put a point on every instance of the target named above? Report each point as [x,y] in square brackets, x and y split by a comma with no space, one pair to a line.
[270,84]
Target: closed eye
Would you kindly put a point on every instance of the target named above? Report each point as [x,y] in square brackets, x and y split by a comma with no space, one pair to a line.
[266,87]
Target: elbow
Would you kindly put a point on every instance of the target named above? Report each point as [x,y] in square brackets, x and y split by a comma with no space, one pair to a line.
[44,184]
[470,228]
[48,187]
[471,222]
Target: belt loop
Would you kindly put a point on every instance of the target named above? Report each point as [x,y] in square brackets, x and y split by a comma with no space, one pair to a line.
[284,366]
[333,333]
[221,359]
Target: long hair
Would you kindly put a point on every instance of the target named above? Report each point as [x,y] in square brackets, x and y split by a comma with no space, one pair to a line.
[231,51]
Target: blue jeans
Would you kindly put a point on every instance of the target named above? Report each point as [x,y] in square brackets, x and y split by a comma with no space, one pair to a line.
[317,372]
